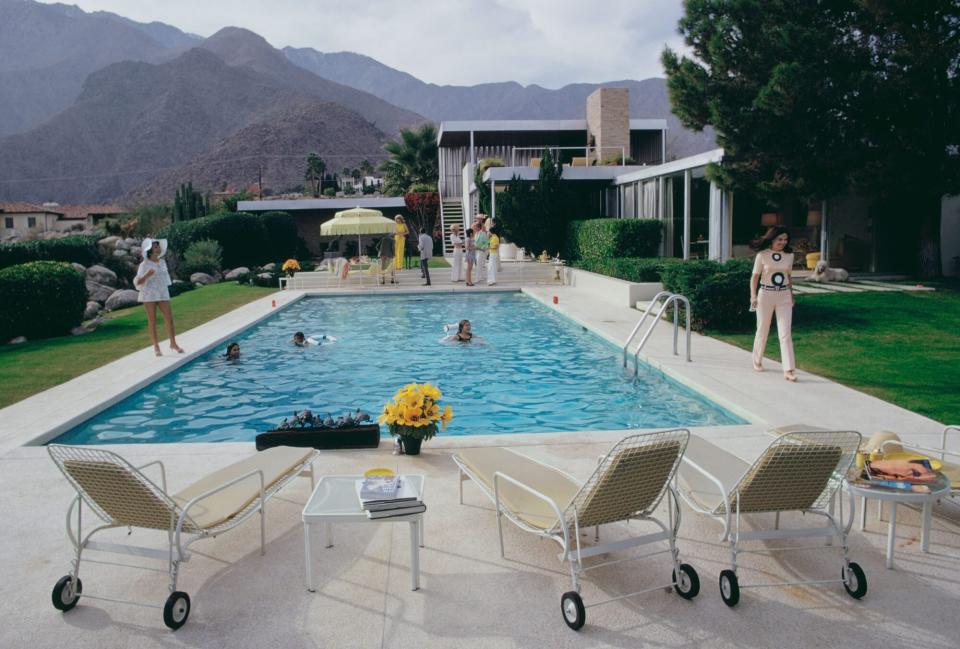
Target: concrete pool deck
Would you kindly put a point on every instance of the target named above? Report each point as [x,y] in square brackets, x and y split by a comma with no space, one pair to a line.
[470,596]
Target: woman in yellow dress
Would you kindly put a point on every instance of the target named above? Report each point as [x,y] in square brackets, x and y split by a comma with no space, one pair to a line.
[399,238]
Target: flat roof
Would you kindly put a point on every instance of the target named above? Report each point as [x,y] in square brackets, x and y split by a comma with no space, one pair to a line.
[320,204]
[525,125]
[674,166]
[597,172]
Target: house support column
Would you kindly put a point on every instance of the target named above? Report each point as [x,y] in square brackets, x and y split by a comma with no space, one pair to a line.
[716,227]
[824,239]
[687,182]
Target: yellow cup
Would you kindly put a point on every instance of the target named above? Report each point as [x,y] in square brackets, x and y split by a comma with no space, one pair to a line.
[861,460]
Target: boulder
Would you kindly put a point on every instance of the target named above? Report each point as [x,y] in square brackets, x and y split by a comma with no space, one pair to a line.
[270,266]
[120,252]
[98,292]
[123,245]
[265,275]
[107,244]
[101,275]
[130,242]
[92,309]
[236,272]
[80,268]
[19,340]
[203,279]
[121,300]
[79,330]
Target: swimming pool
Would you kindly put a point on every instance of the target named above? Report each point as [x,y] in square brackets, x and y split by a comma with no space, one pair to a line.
[535,371]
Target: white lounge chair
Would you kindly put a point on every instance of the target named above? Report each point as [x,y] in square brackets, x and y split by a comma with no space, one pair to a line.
[800,471]
[122,496]
[629,483]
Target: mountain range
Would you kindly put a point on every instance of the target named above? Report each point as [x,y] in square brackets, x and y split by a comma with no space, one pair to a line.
[95,107]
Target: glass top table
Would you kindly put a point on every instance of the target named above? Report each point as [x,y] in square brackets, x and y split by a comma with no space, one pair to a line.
[335,500]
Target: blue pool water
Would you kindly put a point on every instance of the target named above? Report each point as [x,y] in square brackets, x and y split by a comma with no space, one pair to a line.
[535,371]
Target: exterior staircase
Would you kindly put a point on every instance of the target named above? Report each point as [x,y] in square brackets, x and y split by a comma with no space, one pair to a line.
[451,213]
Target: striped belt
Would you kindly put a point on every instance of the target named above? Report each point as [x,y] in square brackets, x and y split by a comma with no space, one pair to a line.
[771,287]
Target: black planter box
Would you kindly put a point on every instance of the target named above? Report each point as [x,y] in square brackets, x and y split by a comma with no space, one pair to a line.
[366,436]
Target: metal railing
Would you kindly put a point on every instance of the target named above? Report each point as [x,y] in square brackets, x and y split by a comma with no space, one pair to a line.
[555,149]
[671,298]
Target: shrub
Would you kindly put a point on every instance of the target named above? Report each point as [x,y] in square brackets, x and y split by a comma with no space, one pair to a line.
[719,294]
[80,249]
[202,256]
[330,192]
[179,287]
[615,159]
[240,235]
[40,299]
[125,270]
[609,238]
[284,242]
[631,269]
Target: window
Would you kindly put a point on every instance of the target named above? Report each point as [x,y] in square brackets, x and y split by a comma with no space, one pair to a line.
[8,222]
[31,221]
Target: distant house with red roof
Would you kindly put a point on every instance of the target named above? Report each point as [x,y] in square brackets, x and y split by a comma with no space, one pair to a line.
[21,219]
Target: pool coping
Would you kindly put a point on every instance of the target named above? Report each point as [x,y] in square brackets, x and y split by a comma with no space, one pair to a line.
[719,372]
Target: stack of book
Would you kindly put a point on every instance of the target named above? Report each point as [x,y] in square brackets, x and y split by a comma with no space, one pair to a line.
[388,496]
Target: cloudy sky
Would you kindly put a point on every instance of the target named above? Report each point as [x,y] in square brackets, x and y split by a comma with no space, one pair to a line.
[463,42]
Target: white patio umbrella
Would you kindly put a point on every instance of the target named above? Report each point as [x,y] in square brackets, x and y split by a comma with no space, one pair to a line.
[358,221]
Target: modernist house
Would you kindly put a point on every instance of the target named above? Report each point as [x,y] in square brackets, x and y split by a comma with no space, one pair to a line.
[699,219]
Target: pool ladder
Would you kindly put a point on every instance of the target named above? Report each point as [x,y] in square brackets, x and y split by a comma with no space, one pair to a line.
[668,298]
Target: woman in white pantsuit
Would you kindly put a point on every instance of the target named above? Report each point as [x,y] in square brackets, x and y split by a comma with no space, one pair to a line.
[771,293]
[457,242]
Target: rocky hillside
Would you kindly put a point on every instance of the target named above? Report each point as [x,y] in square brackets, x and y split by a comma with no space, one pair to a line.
[278,144]
[47,50]
[135,121]
[507,100]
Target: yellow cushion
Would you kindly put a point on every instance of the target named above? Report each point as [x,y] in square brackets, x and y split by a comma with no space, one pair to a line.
[484,462]
[276,463]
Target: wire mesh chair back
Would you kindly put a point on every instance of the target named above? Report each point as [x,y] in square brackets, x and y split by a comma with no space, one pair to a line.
[630,480]
[798,471]
[116,490]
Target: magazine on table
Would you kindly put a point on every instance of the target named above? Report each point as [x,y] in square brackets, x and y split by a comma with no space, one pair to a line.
[415,507]
[379,493]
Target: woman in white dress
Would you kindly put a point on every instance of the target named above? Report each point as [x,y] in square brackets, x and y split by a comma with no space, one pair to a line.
[457,242]
[152,280]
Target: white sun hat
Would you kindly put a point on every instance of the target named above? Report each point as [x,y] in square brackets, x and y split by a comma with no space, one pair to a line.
[148,243]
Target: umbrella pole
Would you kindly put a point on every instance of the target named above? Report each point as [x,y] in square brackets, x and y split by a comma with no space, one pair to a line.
[359,255]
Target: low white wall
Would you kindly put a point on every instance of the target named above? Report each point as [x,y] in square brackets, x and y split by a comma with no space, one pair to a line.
[611,289]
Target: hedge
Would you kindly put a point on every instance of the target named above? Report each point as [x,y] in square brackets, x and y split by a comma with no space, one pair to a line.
[608,238]
[719,294]
[80,249]
[246,239]
[40,299]
[632,269]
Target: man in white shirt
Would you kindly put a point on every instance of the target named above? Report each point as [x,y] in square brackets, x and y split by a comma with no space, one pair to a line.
[425,243]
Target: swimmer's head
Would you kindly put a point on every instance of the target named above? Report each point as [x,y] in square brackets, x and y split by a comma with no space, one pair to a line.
[233,350]
[299,339]
[463,327]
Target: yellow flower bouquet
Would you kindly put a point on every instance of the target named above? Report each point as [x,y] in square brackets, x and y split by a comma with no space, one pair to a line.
[290,266]
[415,411]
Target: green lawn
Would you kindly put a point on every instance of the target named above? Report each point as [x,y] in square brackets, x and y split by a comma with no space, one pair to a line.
[38,365]
[900,347]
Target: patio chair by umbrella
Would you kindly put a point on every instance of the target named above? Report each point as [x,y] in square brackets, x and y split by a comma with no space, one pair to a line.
[358,221]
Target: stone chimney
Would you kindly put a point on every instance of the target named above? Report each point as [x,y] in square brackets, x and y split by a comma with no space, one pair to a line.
[608,122]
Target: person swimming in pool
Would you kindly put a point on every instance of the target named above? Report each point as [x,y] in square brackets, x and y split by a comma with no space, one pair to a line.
[299,339]
[233,352]
[464,333]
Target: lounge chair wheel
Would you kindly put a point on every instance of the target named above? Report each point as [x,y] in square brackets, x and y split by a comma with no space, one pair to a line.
[176,610]
[729,588]
[854,581]
[574,614]
[65,595]
[687,584]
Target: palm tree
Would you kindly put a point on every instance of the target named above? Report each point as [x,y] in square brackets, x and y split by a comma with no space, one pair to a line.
[314,174]
[366,167]
[413,160]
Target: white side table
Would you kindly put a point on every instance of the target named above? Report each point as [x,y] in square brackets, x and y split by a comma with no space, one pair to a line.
[334,500]
[940,487]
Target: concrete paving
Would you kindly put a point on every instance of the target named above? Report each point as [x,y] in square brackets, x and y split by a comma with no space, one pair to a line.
[470,596]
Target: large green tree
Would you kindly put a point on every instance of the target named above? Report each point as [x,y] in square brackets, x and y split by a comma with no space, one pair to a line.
[413,160]
[810,98]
